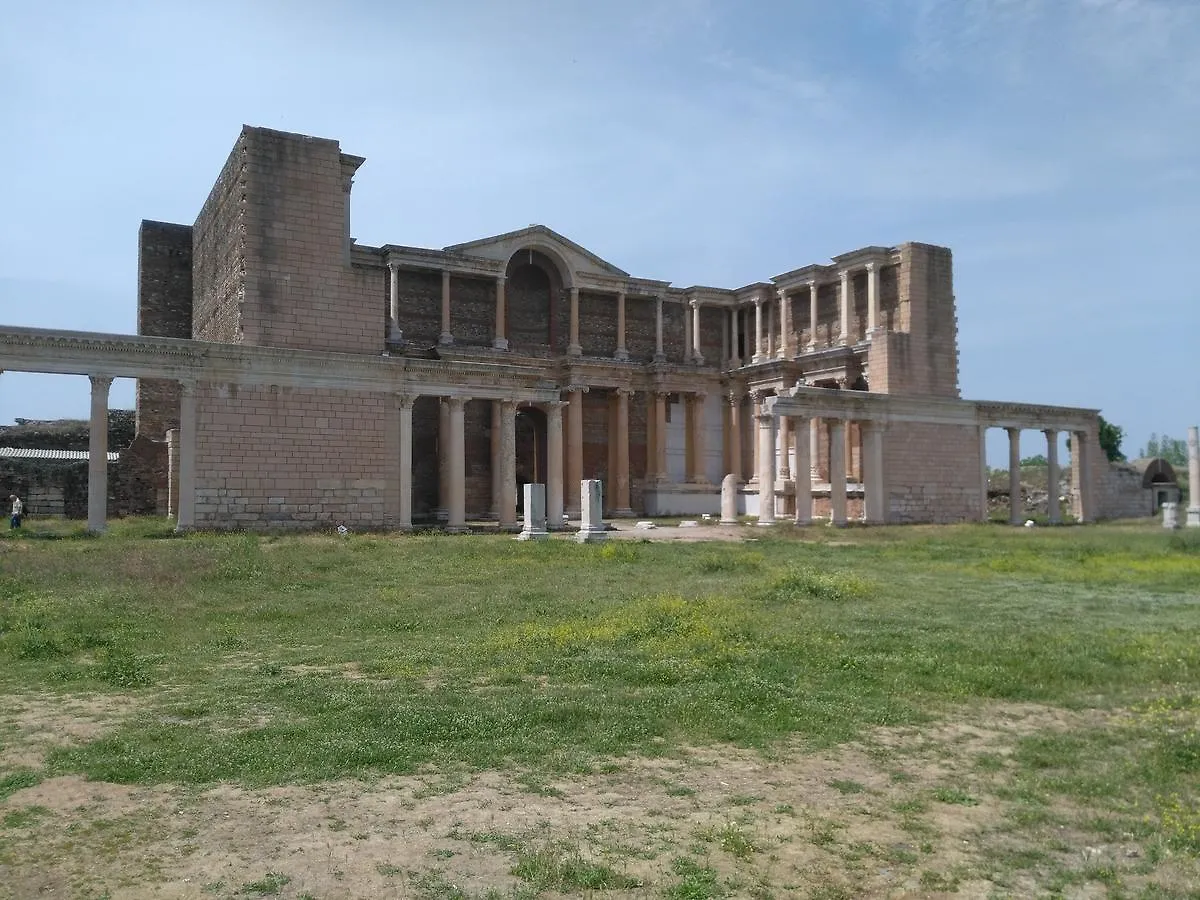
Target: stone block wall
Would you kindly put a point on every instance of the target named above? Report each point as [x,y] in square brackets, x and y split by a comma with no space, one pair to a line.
[639,328]
[1120,493]
[932,473]
[285,457]
[598,323]
[926,299]
[138,480]
[421,305]
[218,254]
[164,310]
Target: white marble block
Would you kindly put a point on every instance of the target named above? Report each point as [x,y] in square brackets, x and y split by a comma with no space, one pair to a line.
[1170,513]
[729,498]
[534,528]
[591,505]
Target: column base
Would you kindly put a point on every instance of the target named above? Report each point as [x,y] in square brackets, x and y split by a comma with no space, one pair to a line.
[622,355]
[1193,517]
[591,536]
[697,359]
[623,513]
[735,363]
[660,357]
[764,523]
[756,359]
[533,536]
[500,344]
[812,347]
[574,350]
[445,339]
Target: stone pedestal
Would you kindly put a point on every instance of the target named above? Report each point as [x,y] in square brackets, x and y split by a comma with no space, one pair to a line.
[1170,513]
[534,528]
[729,495]
[591,526]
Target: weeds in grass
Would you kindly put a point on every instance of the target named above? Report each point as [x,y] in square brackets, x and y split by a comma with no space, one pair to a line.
[269,885]
[696,882]
[731,838]
[562,868]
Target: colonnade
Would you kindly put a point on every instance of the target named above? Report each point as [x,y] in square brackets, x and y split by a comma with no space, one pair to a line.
[772,426]
[1081,454]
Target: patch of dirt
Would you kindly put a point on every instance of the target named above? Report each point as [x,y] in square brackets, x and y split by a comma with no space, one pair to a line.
[863,820]
[44,722]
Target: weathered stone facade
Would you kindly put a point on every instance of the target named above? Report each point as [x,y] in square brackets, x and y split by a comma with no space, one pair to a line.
[304,380]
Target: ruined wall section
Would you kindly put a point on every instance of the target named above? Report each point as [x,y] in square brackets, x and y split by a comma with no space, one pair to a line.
[219,255]
[164,310]
[926,300]
[932,473]
[300,288]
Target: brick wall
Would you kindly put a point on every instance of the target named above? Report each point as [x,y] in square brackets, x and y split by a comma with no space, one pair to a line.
[598,323]
[1120,493]
[284,457]
[932,473]
[164,310]
[639,328]
[926,289]
[218,254]
[420,305]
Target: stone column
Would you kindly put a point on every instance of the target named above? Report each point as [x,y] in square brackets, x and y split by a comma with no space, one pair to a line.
[699,449]
[785,325]
[875,499]
[1053,509]
[574,348]
[735,361]
[98,455]
[1081,460]
[803,476]
[554,465]
[621,507]
[574,451]
[756,398]
[404,405]
[395,334]
[785,441]
[837,471]
[446,338]
[500,342]
[758,331]
[508,466]
[734,435]
[766,466]
[772,344]
[872,298]
[984,513]
[844,307]
[696,354]
[173,473]
[812,321]
[443,507]
[814,447]
[456,518]
[659,356]
[621,353]
[1193,509]
[187,458]
[687,332]
[1016,511]
[660,435]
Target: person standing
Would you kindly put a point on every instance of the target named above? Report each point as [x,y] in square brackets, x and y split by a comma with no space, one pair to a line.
[18,510]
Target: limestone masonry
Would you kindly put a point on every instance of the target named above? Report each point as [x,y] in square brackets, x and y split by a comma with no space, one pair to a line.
[295,378]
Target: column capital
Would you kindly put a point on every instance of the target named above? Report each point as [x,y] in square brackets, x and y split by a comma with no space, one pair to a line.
[393,264]
[871,265]
[501,278]
[733,398]
[1050,432]
[405,401]
[699,395]
[781,293]
[695,303]
[187,387]
[101,381]
[581,388]
[456,401]
[625,391]
[758,301]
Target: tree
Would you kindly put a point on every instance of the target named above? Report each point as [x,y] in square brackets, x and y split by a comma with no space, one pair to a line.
[1110,440]
[1038,460]
[1173,450]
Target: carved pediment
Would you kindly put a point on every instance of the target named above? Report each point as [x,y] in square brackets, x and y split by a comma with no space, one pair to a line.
[538,237]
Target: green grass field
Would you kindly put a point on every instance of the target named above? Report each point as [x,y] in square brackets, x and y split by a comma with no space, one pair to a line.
[281,663]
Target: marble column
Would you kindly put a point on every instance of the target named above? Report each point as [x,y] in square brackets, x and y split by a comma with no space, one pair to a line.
[554,465]
[688,349]
[735,435]
[508,466]
[785,448]
[621,353]
[186,517]
[456,513]
[814,447]
[660,435]
[837,471]
[755,459]
[500,342]
[735,361]
[446,338]
[785,325]
[1053,508]
[984,481]
[98,455]
[1016,509]
[395,333]
[443,445]
[699,448]
[803,476]
[772,338]
[814,289]
[696,354]
[766,466]
[872,298]
[574,348]
[574,451]
[1193,509]
[758,330]
[844,307]
[621,505]
[404,406]
[875,498]
[659,355]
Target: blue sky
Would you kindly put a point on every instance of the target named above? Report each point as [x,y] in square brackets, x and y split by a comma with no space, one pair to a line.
[1052,144]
